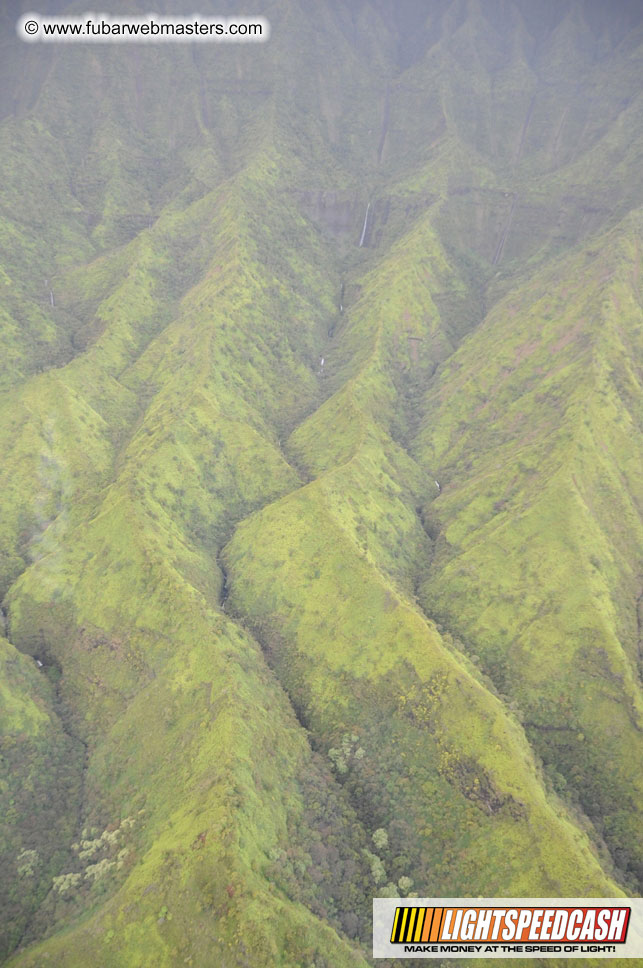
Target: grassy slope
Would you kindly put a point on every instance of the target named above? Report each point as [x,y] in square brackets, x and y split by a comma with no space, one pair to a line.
[171,445]
[537,558]
[125,600]
[39,791]
[323,577]
[193,299]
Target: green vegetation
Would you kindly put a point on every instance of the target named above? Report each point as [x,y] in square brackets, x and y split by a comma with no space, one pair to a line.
[539,521]
[257,666]
[40,769]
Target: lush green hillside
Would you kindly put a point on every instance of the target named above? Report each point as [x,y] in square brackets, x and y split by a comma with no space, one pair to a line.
[39,792]
[538,524]
[320,413]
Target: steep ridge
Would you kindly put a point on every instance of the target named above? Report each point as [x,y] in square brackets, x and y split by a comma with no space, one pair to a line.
[269,747]
[123,595]
[39,769]
[114,441]
[537,563]
[320,576]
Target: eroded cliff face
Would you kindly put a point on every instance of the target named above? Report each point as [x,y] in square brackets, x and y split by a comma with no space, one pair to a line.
[321,472]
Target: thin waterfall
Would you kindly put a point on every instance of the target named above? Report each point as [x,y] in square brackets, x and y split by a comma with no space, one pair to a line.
[363,235]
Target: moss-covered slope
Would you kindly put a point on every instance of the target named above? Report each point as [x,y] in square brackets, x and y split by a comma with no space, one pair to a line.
[321,519]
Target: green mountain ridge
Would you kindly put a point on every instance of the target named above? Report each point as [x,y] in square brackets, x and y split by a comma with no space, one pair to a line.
[280,670]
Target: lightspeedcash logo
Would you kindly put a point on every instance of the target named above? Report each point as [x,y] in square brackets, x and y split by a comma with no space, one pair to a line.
[484,928]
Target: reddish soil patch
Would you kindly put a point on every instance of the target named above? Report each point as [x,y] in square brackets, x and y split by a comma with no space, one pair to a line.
[524,351]
[481,407]
[414,344]
[568,337]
